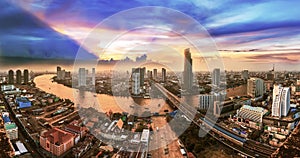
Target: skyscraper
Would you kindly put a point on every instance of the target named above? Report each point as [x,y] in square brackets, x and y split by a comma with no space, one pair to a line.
[11,77]
[154,74]
[216,77]
[255,87]
[26,76]
[163,74]
[82,77]
[142,75]
[93,76]
[58,68]
[141,72]
[136,78]
[188,72]
[18,77]
[281,101]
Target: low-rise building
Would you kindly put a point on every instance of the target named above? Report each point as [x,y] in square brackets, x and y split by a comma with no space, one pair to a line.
[11,131]
[251,116]
[57,141]
[23,102]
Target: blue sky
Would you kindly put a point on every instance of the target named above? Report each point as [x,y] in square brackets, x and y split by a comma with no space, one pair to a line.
[256,32]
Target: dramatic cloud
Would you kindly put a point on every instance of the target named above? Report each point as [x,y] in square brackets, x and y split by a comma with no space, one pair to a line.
[242,28]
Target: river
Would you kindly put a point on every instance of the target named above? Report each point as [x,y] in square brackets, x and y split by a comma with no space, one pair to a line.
[101,102]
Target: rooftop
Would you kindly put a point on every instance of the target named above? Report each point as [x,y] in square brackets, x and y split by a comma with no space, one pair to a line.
[10,126]
[57,136]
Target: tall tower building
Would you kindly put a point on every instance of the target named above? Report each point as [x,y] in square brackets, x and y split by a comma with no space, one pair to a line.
[82,77]
[18,77]
[11,77]
[164,74]
[188,72]
[216,77]
[26,76]
[141,72]
[155,74]
[255,87]
[58,68]
[281,101]
[93,76]
[135,76]
[142,75]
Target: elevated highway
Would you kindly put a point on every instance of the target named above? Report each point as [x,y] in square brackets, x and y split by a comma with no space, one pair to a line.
[242,145]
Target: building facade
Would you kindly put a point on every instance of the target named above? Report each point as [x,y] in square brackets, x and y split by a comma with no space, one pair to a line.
[255,87]
[216,77]
[164,75]
[26,76]
[188,71]
[281,101]
[57,141]
[245,75]
[11,77]
[82,77]
[135,83]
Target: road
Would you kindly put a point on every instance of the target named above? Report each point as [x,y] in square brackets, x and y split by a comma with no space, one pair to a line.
[23,136]
[190,112]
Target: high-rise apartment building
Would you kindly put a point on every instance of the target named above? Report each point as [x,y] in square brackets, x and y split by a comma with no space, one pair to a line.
[93,76]
[255,87]
[164,75]
[188,71]
[281,101]
[26,76]
[135,82]
[82,77]
[18,77]
[155,74]
[11,77]
[216,77]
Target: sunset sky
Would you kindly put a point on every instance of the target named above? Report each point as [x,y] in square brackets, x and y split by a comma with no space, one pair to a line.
[248,34]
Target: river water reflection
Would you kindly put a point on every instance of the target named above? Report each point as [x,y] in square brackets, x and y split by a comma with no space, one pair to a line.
[101,102]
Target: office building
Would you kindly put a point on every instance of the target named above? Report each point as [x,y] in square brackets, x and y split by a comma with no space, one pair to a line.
[141,71]
[164,75]
[136,86]
[255,87]
[245,75]
[82,77]
[271,74]
[149,74]
[26,76]
[18,77]
[281,101]
[155,74]
[11,77]
[207,100]
[188,71]
[216,77]
[93,76]
[57,141]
